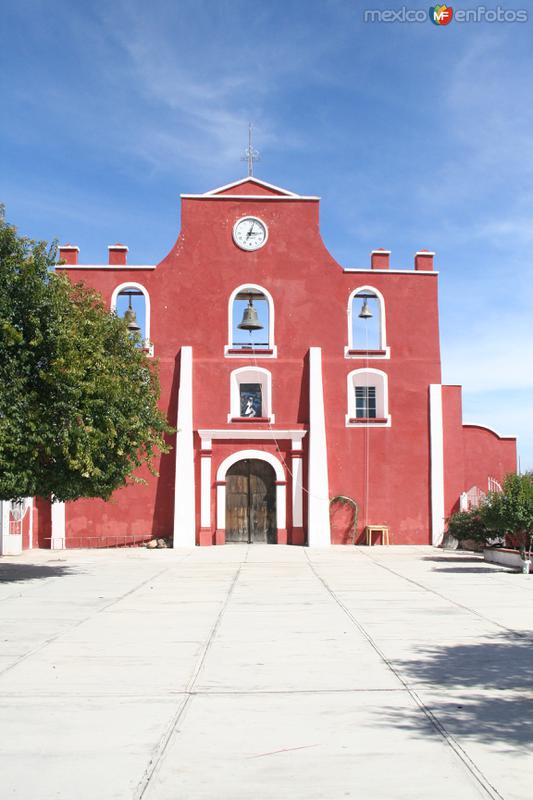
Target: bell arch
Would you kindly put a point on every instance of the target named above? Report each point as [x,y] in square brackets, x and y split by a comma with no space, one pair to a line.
[121,289]
[374,346]
[281,485]
[238,300]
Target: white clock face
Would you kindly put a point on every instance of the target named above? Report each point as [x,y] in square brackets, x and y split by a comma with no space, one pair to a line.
[250,233]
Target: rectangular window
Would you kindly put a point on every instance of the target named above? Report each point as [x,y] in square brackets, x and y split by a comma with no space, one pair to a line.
[251,400]
[365,402]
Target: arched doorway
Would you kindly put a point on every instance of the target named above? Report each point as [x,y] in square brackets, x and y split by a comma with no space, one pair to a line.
[251,502]
[343,519]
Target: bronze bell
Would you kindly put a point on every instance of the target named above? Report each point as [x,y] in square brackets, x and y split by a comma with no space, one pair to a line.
[365,312]
[131,321]
[250,320]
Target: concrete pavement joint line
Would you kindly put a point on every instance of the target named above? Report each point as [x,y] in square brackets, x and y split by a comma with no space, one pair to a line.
[516,633]
[193,693]
[161,748]
[283,750]
[82,621]
[184,693]
[474,770]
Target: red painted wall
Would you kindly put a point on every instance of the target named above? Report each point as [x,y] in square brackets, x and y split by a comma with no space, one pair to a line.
[42,528]
[189,292]
[487,455]
[472,453]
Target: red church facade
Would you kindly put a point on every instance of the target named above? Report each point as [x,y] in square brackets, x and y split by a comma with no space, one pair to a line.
[272,429]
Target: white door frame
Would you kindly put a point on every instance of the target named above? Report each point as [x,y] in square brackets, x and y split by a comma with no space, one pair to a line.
[281,484]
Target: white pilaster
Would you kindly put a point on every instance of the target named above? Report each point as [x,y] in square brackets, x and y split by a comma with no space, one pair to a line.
[30,512]
[281,505]
[4,528]
[205,504]
[318,524]
[436,434]
[297,485]
[58,534]
[221,506]
[184,494]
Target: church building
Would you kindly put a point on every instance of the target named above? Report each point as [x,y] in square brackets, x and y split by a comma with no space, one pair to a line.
[308,403]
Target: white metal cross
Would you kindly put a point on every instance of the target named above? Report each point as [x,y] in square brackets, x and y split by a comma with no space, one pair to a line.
[250,154]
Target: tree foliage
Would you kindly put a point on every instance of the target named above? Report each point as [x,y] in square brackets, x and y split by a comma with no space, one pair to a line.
[507,514]
[468,525]
[78,398]
[510,512]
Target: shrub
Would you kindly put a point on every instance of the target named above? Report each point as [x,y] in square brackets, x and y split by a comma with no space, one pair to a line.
[469,525]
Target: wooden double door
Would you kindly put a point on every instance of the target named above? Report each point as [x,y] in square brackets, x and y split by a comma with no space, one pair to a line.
[251,502]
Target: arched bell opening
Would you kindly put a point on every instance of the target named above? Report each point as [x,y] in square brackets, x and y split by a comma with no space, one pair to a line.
[251,323]
[367,330]
[366,321]
[131,301]
[131,305]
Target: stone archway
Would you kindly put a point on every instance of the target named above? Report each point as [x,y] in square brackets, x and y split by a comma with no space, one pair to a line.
[251,502]
[280,484]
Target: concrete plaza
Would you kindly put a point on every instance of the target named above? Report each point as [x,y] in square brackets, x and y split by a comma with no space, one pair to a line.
[262,672]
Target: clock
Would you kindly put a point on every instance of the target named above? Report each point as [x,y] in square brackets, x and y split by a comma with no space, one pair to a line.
[250,233]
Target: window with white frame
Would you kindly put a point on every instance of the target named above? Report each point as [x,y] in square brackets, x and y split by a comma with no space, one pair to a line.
[250,395]
[367,395]
[365,402]
[250,322]
[366,324]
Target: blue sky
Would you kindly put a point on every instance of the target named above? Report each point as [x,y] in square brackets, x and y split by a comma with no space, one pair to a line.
[413,135]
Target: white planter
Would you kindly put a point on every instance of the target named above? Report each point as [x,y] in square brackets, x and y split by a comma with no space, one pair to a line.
[506,557]
[526,565]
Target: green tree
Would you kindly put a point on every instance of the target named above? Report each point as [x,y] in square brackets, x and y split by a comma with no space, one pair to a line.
[506,515]
[78,398]
[510,512]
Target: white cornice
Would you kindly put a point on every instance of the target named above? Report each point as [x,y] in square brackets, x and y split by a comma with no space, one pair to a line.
[106,267]
[251,179]
[267,433]
[268,197]
[370,271]
[486,428]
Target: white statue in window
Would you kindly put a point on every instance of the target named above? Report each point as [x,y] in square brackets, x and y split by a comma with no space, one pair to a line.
[249,410]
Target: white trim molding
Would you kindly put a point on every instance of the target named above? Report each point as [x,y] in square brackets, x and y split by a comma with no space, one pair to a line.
[205,490]
[319,531]
[10,543]
[214,194]
[297,485]
[184,484]
[252,197]
[371,271]
[250,179]
[368,376]
[436,432]
[106,267]
[58,534]
[271,320]
[491,430]
[147,309]
[266,434]
[382,324]
[281,488]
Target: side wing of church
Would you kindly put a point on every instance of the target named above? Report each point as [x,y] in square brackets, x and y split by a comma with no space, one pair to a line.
[308,403]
